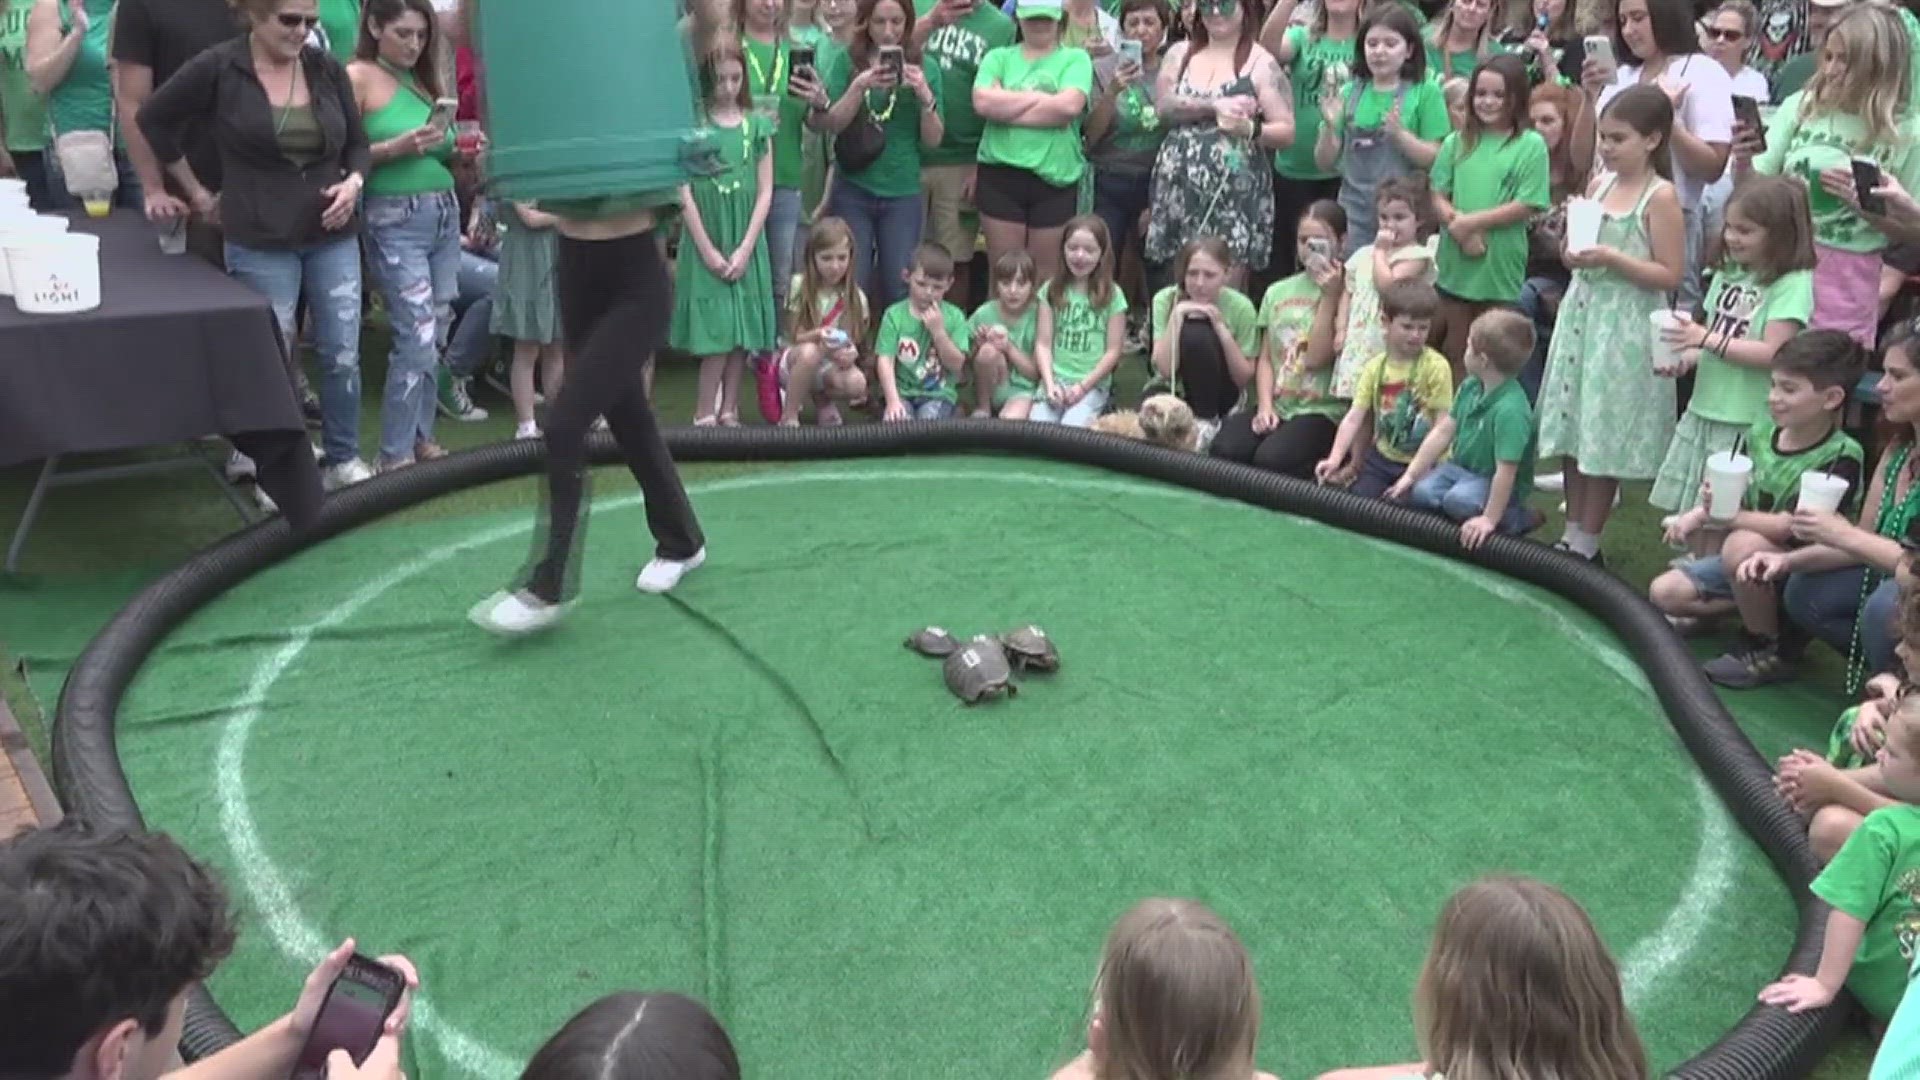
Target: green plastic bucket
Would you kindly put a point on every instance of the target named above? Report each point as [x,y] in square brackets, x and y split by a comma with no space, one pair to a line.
[586,97]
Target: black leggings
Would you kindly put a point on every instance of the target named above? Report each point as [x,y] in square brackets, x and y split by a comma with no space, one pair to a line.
[1203,378]
[1292,449]
[615,302]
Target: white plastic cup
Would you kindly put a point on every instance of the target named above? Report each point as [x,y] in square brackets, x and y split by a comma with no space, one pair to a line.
[1666,358]
[1583,223]
[1822,492]
[173,236]
[1727,477]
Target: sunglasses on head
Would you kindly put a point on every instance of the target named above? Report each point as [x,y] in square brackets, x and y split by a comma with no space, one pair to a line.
[291,21]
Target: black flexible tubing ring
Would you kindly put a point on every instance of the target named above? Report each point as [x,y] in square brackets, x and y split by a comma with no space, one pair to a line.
[1766,1044]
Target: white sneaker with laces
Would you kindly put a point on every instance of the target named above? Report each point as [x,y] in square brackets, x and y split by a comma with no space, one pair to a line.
[512,614]
[527,431]
[240,467]
[345,474]
[661,575]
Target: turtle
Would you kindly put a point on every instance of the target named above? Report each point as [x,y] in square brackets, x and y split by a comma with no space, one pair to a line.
[979,671]
[934,642]
[1030,649]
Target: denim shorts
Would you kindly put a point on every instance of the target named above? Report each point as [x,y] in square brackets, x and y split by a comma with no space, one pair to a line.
[1709,576]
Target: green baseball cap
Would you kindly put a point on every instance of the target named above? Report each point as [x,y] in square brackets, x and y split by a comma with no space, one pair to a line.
[1040,9]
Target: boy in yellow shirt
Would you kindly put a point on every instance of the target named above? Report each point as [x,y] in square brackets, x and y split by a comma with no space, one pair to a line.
[1401,395]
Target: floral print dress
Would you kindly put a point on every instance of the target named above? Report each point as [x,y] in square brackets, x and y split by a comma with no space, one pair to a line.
[1207,183]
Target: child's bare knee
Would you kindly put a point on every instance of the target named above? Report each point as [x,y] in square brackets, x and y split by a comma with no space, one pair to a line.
[1741,545]
[1671,591]
[1827,833]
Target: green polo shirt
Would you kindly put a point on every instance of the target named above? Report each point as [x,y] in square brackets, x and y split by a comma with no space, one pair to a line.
[1493,426]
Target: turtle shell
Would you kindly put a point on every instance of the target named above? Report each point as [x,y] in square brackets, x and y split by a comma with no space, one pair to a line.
[1030,649]
[933,641]
[978,671]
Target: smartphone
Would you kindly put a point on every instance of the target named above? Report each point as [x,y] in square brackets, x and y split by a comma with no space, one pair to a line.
[1746,110]
[352,1016]
[803,59]
[894,59]
[1599,47]
[1319,253]
[442,115]
[1866,177]
[1131,51]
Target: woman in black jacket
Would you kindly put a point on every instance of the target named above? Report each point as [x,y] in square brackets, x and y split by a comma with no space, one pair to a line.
[294,157]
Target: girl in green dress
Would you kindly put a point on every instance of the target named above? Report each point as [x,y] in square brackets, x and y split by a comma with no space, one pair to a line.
[723,297]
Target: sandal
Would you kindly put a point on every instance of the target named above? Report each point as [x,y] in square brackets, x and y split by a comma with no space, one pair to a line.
[704,421]
[730,419]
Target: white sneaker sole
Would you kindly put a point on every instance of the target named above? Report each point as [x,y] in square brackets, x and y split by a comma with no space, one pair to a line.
[485,616]
[660,582]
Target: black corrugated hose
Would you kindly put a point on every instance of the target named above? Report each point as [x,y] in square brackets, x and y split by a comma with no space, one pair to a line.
[1767,1043]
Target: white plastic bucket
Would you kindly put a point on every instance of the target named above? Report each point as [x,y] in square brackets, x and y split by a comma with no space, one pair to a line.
[55,273]
[24,225]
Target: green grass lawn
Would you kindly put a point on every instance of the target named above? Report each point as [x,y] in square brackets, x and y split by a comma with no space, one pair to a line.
[96,546]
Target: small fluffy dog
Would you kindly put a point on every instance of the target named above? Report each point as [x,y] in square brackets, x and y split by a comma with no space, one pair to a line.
[1162,419]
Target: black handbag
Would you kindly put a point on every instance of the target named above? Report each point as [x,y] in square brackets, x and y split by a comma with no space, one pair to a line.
[860,145]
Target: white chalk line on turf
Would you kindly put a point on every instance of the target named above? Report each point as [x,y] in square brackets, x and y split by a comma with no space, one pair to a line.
[294,936]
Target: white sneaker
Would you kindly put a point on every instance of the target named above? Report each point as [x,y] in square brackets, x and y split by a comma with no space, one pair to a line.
[345,474]
[1550,482]
[264,501]
[527,431]
[240,467]
[512,614]
[661,575]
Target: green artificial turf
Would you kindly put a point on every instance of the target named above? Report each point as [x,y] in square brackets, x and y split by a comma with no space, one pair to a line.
[95,547]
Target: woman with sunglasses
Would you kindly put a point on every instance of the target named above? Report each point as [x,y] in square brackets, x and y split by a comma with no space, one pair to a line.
[294,158]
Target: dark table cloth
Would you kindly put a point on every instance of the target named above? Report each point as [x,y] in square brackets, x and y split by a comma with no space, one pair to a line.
[176,350]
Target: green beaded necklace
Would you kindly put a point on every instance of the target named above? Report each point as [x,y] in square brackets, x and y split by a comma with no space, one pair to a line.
[1892,522]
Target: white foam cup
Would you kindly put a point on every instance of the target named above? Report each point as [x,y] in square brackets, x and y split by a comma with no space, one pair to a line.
[1822,492]
[1583,223]
[1666,356]
[1727,477]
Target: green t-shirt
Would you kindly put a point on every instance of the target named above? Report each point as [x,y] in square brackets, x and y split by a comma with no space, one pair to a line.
[1492,427]
[1460,65]
[769,72]
[1805,147]
[340,22]
[1423,109]
[1020,333]
[1312,57]
[896,172]
[1792,74]
[24,110]
[84,99]
[918,373]
[1080,332]
[1775,486]
[957,51]
[1739,306]
[1286,318]
[1243,319]
[1876,878]
[1406,400]
[1053,154]
[1497,171]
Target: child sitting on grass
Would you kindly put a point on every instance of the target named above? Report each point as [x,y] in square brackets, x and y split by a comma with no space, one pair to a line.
[1810,379]
[1484,485]
[923,342]
[1838,791]
[1175,997]
[1402,393]
[1517,984]
[1874,887]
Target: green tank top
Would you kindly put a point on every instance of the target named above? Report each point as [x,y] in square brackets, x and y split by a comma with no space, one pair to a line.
[418,175]
[300,136]
[1776,476]
[84,99]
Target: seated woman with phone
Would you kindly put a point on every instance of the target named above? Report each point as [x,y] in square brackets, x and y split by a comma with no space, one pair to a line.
[412,212]
[1206,334]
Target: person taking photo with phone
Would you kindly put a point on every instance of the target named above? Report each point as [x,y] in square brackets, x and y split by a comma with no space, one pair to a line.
[1123,130]
[106,934]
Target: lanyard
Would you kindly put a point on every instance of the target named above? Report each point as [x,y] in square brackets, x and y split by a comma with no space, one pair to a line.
[773,85]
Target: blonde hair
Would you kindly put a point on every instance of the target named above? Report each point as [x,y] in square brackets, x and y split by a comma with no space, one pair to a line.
[1504,337]
[1519,986]
[1100,282]
[1877,84]
[826,234]
[1176,996]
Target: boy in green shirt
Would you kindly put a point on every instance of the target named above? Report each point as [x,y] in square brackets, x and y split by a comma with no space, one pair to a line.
[1874,887]
[923,342]
[1491,434]
[1401,395]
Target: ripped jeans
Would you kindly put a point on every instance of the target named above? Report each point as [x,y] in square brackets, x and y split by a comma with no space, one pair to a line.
[413,253]
[328,274]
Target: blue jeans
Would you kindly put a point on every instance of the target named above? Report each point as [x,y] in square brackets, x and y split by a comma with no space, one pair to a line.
[1826,605]
[328,275]
[1461,494]
[889,226]
[1533,303]
[472,340]
[1081,414]
[783,229]
[413,252]
[931,408]
[1118,199]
